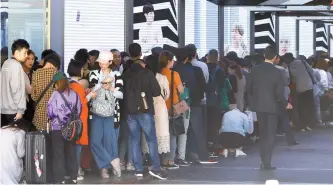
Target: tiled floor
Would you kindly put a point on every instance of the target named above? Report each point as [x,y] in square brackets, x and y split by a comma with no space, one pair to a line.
[309,162]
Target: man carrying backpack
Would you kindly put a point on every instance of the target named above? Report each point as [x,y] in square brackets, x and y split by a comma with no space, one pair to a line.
[213,98]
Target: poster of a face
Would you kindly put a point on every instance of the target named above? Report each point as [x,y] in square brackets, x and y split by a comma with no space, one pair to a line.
[287,30]
[93,25]
[237,30]
[306,35]
[155,24]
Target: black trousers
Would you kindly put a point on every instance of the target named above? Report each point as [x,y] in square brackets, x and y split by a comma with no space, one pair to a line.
[268,125]
[231,140]
[306,109]
[214,119]
[284,126]
[64,157]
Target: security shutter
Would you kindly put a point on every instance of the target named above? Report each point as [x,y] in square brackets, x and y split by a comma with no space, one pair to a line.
[331,41]
[306,38]
[237,18]
[287,37]
[201,25]
[97,24]
[264,30]
[321,37]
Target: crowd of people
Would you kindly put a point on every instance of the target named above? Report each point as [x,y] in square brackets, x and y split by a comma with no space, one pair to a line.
[165,111]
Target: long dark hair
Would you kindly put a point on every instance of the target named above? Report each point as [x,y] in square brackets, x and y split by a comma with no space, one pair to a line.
[20,124]
[153,64]
[238,70]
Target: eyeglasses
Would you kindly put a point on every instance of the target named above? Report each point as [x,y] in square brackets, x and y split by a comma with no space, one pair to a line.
[104,83]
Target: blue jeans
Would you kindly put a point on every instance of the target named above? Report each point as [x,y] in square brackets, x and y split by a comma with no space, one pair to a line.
[125,145]
[104,143]
[170,156]
[145,122]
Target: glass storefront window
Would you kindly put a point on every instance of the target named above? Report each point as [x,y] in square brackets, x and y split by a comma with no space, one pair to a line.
[25,20]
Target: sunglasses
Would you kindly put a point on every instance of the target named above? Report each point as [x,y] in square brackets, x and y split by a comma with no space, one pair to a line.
[104,83]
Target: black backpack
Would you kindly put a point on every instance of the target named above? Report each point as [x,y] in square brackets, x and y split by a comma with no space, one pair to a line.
[213,95]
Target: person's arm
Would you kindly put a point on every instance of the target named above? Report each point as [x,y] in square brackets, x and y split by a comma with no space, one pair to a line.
[279,89]
[17,85]
[178,83]
[206,72]
[119,86]
[166,88]
[20,150]
[51,109]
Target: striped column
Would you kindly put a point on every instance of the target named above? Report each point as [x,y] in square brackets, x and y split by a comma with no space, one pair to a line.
[264,30]
[321,37]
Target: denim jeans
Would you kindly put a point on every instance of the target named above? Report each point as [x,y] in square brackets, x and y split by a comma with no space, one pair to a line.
[170,156]
[145,122]
[125,145]
[104,143]
[182,139]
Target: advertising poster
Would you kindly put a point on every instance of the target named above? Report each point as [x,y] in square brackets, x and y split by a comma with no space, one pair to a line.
[155,24]
[306,38]
[237,31]
[287,31]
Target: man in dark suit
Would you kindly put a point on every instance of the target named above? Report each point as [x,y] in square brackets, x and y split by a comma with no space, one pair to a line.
[266,97]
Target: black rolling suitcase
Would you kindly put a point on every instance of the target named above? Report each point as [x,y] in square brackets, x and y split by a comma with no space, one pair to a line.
[38,158]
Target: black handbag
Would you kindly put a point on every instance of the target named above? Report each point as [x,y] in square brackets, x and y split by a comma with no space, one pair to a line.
[176,124]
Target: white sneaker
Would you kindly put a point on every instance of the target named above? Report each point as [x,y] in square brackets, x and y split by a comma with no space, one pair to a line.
[240,153]
[104,173]
[80,178]
[81,172]
[123,166]
[130,167]
[115,163]
[225,153]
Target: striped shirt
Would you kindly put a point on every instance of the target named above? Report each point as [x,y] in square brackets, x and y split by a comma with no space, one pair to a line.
[97,76]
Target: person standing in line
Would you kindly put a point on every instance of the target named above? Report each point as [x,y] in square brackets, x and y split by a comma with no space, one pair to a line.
[75,71]
[284,117]
[27,68]
[105,115]
[41,78]
[266,94]
[141,87]
[13,87]
[176,87]
[240,81]
[58,112]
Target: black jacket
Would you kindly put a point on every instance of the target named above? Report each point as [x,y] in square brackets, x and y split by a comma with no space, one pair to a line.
[266,89]
[136,81]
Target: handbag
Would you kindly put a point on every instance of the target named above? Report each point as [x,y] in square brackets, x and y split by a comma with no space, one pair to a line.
[72,130]
[176,121]
[181,107]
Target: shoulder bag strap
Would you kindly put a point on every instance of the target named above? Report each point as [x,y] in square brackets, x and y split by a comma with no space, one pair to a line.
[45,90]
[67,103]
[171,93]
[306,67]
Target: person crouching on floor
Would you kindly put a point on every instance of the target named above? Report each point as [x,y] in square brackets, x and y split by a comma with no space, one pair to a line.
[235,125]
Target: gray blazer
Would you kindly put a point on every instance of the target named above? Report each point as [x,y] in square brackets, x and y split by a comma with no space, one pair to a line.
[300,75]
[265,89]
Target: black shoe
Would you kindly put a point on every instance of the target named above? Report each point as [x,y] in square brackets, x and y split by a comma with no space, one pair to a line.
[182,163]
[266,168]
[160,175]
[293,143]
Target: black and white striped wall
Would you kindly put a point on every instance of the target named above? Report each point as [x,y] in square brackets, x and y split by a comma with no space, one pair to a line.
[321,37]
[264,30]
[166,15]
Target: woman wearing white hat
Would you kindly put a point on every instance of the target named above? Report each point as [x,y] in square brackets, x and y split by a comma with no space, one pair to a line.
[105,114]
